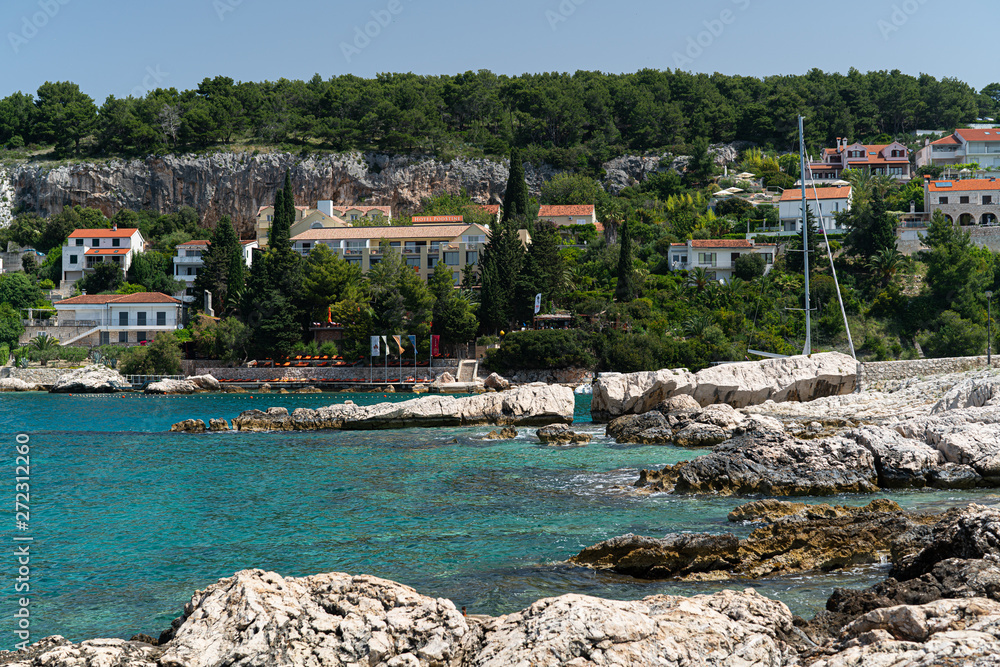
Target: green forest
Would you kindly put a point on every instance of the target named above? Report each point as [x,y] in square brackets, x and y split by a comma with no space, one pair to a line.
[575,121]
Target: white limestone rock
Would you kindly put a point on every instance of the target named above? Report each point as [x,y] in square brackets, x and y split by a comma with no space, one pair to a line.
[170,386]
[16,384]
[94,379]
[617,394]
[205,382]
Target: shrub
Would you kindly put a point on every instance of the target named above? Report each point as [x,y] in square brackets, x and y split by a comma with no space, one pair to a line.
[542,350]
[4,354]
[73,354]
[749,266]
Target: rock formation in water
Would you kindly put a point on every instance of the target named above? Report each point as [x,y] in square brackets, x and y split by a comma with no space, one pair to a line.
[528,405]
[739,385]
[94,379]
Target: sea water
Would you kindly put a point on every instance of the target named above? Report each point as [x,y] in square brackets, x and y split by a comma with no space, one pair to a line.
[127,520]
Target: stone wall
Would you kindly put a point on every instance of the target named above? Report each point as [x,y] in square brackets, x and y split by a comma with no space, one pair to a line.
[38,375]
[879,375]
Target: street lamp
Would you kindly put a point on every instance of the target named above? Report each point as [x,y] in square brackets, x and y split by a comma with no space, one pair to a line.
[989,329]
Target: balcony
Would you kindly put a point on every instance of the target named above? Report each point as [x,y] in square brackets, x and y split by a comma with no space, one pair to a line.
[189,260]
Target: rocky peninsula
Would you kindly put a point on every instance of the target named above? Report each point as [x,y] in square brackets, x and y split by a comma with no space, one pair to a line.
[529,405]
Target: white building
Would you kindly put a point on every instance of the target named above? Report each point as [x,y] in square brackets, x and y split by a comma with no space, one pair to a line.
[831,201]
[124,319]
[190,259]
[717,256]
[964,146]
[85,248]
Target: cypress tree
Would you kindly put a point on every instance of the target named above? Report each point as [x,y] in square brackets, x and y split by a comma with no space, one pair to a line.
[883,225]
[515,199]
[289,200]
[501,265]
[625,290]
[216,273]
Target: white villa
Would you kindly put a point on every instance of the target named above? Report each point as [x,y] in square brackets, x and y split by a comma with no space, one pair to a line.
[717,256]
[965,146]
[85,248]
[189,262]
[119,318]
[832,200]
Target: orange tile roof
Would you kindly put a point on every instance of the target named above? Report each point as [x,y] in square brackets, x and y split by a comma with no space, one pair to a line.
[966,185]
[490,208]
[139,297]
[949,140]
[979,135]
[447,232]
[106,251]
[723,243]
[387,210]
[562,211]
[103,233]
[300,208]
[795,194]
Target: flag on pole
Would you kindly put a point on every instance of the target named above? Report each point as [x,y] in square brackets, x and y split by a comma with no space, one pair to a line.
[376,351]
[538,302]
[413,341]
[386,341]
[435,345]
[399,342]
[329,314]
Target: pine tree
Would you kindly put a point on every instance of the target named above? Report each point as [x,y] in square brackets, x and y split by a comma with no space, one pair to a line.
[214,275]
[883,225]
[626,289]
[280,234]
[515,199]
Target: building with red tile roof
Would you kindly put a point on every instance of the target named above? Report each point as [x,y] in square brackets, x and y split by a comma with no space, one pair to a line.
[86,248]
[717,256]
[189,262]
[968,202]
[963,146]
[124,319]
[822,201]
[564,215]
[890,159]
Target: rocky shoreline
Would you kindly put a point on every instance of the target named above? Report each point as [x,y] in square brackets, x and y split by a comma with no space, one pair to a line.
[940,606]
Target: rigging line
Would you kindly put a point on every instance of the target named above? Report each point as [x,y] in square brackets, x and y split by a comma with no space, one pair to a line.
[833,269]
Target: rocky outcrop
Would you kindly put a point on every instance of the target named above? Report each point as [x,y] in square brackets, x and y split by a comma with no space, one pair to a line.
[15,384]
[529,405]
[325,620]
[502,434]
[765,462]
[170,386]
[444,378]
[799,539]
[560,434]
[738,385]
[218,425]
[189,426]
[94,379]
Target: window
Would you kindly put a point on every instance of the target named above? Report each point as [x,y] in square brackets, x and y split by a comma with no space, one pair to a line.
[474,238]
[73,259]
[306,247]
[140,336]
[270,217]
[987,199]
[451,258]
[706,258]
[95,242]
[682,259]
[161,319]
[122,336]
[116,243]
[710,275]
[140,319]
[123,319]
[105,338]
[192,253]
[413,261]
[192,271]
[435,247]
[471,257]
[457,277]
[79,242]
[942,200]
[963,200]
[768,257]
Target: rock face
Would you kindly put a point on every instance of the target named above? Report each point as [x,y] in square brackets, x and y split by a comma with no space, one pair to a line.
[236,184]
[95,379]
[444,378]
[169,386]
[529,405]
[800,538]
[560,434]
[16,384]
[738,385]
[759,461]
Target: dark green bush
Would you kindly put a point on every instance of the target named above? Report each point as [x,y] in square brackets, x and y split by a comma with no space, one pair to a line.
[542,350]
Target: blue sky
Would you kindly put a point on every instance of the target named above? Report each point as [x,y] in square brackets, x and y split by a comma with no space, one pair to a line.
[118,47]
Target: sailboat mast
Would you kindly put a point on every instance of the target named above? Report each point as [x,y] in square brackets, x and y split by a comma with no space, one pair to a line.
[805,236]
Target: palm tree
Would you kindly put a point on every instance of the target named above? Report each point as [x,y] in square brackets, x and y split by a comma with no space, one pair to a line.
[885,263]
[45,345]
[698,278]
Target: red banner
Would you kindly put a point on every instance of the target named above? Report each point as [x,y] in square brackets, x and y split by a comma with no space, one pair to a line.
[435,345]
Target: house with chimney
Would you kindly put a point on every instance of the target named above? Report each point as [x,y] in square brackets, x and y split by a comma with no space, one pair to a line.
[963,146]
[889,159]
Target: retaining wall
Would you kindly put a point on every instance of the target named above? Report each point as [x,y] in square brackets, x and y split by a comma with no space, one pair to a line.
[38,375]
[876,375]
[378,373]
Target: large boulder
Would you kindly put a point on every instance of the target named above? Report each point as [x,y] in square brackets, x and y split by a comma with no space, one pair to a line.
[205,382]
[560,434]
[529,405]
[170,386]
[900,462]
[496,382]
[617,394]
[650,428]
[739,385]
[94,379]
[769,463]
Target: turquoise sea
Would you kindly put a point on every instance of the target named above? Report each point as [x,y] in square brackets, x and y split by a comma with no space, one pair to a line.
[128,520]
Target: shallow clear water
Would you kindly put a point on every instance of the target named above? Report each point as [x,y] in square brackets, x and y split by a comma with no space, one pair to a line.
[128,520]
